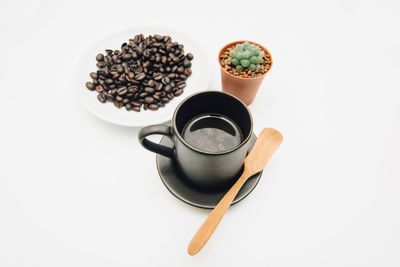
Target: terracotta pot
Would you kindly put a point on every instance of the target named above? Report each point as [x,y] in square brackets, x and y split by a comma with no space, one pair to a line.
[243,88]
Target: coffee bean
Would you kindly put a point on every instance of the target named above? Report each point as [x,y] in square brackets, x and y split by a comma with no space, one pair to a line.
[158,37]
[138,68]
[150,83]
[143,95]
[136,103]
[189,56]
[179,92]
[100,64]
[156,97]
[99,88]
[100,57]
[153,107]
[109,97]
[165,99]
[128,106]
[122,90]
[90,86]
[94,75]
[139,51]
[132,89]
[136,39]
[158,76]
[118,98]
[117,103]
[167,88]
[125,101]
[136,109]
[140,76]
[108,81]
[187,63]
[159,86]
[149,100]
[149,90]
[135,82]
[146,53]
[131,75]
[165,80]
[101,98]
[126,56]
[187,72]
[164,60]
[146,64]
[166,39]
[119,68]
[171,76]
[180,70]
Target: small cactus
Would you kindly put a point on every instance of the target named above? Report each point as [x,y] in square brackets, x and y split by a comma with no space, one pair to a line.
[246,56]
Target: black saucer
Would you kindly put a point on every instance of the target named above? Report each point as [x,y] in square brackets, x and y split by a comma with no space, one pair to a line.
[189,193]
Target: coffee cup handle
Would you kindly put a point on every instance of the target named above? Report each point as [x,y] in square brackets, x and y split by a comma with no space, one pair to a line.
[156,129]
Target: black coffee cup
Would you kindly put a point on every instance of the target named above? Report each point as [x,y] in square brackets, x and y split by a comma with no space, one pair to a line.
[208,170]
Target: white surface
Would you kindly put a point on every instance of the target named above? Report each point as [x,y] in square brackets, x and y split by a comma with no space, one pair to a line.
[77,191]
[198,81]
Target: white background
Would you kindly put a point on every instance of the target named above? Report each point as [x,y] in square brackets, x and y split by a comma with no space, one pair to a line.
[77,191]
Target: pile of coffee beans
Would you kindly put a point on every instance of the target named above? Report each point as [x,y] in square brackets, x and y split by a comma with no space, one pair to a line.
[145,73]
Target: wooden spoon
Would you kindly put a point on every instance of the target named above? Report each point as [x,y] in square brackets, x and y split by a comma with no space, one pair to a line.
[267,143]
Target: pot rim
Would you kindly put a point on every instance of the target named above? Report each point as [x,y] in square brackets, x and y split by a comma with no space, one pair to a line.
[239,42]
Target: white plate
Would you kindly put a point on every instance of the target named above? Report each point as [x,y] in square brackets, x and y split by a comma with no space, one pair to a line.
[198,81]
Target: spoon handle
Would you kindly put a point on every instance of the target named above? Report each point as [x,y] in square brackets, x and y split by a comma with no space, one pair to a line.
[207,228]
